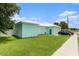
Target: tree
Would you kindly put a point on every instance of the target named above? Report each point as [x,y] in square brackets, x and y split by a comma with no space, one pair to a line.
[7,10]
[56,23]
[12,23]
[63,25]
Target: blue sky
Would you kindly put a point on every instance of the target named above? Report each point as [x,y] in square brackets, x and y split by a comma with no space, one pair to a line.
[50,12]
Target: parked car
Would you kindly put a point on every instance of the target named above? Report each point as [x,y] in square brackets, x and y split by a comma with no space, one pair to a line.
[65,32]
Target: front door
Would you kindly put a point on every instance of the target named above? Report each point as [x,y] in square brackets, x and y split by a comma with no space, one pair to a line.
[50,31]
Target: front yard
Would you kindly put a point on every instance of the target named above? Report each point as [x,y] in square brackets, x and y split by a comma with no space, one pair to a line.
[43,45]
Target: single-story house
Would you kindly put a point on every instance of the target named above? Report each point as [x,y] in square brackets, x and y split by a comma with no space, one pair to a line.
[30,29]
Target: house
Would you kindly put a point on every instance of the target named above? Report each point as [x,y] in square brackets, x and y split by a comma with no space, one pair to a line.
[30,29]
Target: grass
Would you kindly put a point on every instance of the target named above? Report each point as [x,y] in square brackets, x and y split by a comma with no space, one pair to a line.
[42,45]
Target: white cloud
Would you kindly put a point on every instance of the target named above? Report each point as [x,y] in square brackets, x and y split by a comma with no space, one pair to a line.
[65,13]
[18,18]
[73,17]
[60,19]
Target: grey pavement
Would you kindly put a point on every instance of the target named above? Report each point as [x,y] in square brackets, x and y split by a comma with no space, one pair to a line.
[69,48]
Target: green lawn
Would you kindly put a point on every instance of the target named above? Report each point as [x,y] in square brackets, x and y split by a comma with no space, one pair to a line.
[43,45]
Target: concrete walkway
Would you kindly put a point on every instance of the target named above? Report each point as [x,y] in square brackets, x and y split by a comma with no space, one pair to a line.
[69,48]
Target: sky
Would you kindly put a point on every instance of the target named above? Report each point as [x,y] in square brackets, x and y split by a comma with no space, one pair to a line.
[49,12]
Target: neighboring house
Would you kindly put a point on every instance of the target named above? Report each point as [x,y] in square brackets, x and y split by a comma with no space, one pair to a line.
[30,29]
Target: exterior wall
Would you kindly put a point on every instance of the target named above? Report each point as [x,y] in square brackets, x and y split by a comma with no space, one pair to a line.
[45,30]
[42,30]
[54,29]
[29,30]
[18,30]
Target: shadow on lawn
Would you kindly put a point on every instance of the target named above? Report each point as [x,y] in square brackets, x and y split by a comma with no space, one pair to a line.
[6,39]
[11,38]
[25,37]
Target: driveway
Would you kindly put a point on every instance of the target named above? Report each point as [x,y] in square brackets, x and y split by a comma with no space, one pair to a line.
[69,48]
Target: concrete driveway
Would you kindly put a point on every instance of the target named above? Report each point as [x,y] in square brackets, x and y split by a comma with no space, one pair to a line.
[69,48]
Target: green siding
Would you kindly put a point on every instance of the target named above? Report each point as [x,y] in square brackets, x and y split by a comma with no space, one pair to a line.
[29,30]
[45,30]
[54,29]
[42,30]
[18,29]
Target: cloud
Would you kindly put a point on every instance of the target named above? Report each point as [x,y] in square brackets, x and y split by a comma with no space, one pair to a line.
[60,19]
[65,13]
[73,17]
[18,18]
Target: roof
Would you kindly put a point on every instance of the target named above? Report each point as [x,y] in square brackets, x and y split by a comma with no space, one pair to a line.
[30,22]
[39,23]
[46,24]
